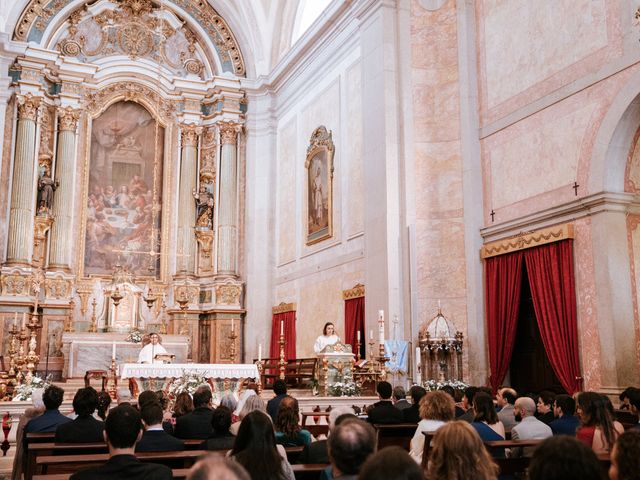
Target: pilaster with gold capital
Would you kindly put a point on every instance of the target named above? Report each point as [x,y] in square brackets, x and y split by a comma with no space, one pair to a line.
[62,210]
[186,204]
[22,190]
[227,211]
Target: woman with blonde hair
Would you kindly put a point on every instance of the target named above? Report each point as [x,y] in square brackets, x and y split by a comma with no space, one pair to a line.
[436,408]
[457,453]
[251,404]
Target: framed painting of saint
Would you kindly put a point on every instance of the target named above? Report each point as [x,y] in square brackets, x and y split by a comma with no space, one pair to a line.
[319,167]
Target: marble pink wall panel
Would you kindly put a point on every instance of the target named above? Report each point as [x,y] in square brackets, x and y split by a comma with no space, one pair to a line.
[527,50]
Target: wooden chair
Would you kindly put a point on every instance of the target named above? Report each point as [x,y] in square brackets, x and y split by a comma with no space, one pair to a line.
[95,374]
[399,434]
[300,370]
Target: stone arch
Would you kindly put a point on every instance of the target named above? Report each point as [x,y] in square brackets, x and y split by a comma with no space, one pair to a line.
[614,139]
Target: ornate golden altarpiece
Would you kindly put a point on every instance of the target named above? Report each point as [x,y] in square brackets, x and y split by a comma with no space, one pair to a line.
[122,115]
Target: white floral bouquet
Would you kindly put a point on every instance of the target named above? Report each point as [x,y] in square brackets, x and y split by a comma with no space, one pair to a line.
[24,391]
[188,382]
[135,336]
[345,388]
[432,385]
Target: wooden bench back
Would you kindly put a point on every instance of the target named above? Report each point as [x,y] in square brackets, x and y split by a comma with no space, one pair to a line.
[399,434]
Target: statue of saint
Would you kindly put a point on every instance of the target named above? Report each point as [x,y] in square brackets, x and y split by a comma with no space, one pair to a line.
[204,208]
[46,187]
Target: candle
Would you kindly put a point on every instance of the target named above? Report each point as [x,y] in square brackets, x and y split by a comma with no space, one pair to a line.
[417,363]
[15,319]
[358,336]
[381,315]
[370,334]
[233,325]
[381,326]
[113,350]
[259,352]
[281,327]
[24,319]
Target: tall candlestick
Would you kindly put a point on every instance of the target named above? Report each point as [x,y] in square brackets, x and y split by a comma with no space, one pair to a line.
[259,352]
[113,350]
[281,327]
[233,325]
[358,335]
[381,326]
[417,374]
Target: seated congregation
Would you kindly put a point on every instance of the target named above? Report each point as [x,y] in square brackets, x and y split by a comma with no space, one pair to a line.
[429,435]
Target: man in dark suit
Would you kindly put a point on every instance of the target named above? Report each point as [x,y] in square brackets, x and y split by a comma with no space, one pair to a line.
[197,424]
[400,398]
[280,391]
[154,438]
[634,405]
[412,414]
[85,428]
[121,431]
[317,452]
[566,423]
[384,411]
[51,418]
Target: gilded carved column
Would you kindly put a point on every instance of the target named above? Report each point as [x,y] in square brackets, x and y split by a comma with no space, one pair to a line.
[186,204]
[60,250]
[227,207]
[23,186]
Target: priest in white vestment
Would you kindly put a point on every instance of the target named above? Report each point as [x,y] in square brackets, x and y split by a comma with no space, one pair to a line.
[328,337]
[153,348]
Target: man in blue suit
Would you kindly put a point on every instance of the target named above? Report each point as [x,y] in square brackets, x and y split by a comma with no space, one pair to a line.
[566,423]
[51,418]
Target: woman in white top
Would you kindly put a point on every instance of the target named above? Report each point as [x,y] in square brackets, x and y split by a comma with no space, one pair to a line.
[153,348]
[328,337]
[436,408]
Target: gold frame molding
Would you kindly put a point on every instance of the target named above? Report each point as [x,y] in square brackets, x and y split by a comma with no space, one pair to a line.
[356,292]
[526,240]
[283,308]
[320,141]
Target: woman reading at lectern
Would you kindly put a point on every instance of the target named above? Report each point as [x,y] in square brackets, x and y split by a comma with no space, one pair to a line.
[328,337]
[153,348]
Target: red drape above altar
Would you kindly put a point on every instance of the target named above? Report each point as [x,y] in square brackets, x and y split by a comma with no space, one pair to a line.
[289,326]
[354,322]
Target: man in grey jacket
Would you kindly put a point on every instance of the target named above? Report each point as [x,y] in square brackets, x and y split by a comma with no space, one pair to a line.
[506,399]
[529,428]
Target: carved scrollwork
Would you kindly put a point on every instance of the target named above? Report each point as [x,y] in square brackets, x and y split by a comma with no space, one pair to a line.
[57,288]
[190,135]
[130,91]
[228,294]
[16,284]
[68,118]
[229,133]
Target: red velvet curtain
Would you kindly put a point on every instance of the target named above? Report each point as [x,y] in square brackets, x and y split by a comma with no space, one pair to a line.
[503,276]
[289,323]
[354,322]
[550,270]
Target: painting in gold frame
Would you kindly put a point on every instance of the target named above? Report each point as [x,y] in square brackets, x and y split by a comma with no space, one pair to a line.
[319,167]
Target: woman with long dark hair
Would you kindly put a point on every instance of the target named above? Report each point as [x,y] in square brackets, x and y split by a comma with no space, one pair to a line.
[597,429]
[328,337]
[255,449]
[486,421]
[288,430]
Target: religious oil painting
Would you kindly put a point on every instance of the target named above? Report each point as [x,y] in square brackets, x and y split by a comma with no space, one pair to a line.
[319,166]
[124,192]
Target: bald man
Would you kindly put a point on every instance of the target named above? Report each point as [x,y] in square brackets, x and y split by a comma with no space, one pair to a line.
[529,427]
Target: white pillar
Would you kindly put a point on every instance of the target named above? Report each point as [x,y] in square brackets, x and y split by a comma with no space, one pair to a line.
[227,205]
[61,240]
[186,204]
[23,187]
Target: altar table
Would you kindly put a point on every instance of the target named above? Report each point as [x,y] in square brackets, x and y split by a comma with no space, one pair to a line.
[222,378]
[175,370]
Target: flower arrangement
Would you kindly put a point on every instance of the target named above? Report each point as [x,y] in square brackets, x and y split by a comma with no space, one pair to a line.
[135,336]
[24,391]
[188,382]
[344,388]
[431,385]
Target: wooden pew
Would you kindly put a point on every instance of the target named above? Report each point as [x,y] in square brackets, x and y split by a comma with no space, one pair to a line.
[315,429]
[302,472]
[71,463]
[310,471]
[178,473]
[398,434]
[42,449]
[293,453]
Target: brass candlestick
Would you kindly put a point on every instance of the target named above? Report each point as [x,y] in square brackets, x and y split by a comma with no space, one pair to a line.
[32,357]
[70,320]
[111,380]
[94,324]
[12,350]
[163,325]
[282,363]
[232,348]
[371,343]
[20,359]
[260,366]
[358,345]
[183,301]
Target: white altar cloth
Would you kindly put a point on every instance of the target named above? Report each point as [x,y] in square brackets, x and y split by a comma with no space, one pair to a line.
[175,370]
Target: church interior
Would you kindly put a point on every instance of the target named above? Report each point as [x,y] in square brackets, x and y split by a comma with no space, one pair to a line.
[452,184]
